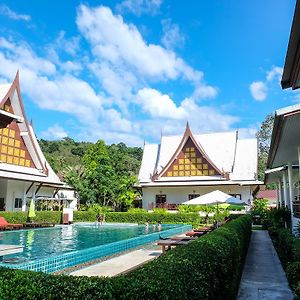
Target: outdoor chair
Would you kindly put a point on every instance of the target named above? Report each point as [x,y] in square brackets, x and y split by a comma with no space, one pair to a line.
[6,225]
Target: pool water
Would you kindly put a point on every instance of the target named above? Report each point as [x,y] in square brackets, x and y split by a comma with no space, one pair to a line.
[42,243]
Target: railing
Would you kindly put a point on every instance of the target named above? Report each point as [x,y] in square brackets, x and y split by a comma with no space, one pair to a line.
[168,206]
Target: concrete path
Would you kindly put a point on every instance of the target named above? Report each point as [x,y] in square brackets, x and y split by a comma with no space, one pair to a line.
[120,264]
[263,276]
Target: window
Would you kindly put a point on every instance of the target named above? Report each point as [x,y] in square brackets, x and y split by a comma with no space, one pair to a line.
[192,196]
[18,202]
[161,199]
[2,204]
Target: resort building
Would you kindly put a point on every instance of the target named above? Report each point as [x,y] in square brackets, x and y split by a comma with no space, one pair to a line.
[24,171]
[284,156]
[181,168]
[284,159]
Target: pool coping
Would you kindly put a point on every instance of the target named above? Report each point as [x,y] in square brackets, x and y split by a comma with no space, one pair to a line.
[69,259]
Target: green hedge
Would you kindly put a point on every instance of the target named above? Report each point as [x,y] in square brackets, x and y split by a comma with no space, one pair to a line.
[140,217]
[207,268]
[288,249]
[41,216]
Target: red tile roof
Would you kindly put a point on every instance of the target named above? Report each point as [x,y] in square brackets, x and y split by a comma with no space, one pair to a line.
[267,194]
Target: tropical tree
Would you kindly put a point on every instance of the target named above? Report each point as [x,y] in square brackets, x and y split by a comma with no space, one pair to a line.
[264,139]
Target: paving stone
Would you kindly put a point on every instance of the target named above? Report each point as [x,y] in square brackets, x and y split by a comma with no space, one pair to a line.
[263,276]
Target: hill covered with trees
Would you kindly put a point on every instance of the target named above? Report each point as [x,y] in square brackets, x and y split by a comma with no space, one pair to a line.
[102,174]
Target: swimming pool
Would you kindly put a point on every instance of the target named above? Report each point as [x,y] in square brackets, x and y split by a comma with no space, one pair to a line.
[52,249]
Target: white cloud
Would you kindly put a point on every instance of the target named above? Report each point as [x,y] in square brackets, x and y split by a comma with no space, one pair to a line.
[55,132]
[6,11]
[139,7]
[172,37]
[124,62]
[258,90]
[275,72]
[170,118]
[69,45]
[159,105]
[204,91]
[47,88]
[121,68]
[122,44]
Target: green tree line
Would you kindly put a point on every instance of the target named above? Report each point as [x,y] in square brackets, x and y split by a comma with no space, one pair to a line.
[101,174]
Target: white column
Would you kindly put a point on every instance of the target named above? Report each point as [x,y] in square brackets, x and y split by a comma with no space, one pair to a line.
[24,198]
[285,191]
[280,192]
[291,186]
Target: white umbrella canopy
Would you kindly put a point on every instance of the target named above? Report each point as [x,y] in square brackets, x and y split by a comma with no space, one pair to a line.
[214,197]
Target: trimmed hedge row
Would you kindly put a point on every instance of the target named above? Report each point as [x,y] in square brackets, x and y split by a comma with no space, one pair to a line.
[207,268]
[141,217]
[116,217]
[41,216]
[288,249]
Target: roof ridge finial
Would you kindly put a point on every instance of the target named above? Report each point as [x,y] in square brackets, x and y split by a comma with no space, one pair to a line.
[17,76]
[187,127]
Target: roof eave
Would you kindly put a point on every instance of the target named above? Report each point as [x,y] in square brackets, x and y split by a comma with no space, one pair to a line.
[290,76]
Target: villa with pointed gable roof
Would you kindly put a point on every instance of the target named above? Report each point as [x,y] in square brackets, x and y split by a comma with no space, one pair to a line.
[183,167]
[24,170]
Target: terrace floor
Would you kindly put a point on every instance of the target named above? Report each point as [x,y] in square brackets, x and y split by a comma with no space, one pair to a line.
[120,264]
[263,276]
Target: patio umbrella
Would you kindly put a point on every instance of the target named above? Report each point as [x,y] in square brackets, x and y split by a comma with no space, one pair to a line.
[31,213]
[215,197]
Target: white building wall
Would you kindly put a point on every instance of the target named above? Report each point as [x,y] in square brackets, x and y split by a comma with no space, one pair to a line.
[177,195]
[3,188]
[12,189]
[15,189]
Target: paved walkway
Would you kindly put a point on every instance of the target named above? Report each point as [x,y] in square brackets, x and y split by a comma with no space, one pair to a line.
[263,276]
[119,264]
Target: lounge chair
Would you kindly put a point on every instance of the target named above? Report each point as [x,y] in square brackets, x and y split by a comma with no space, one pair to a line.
[200,231]
[6,225]
[167,244]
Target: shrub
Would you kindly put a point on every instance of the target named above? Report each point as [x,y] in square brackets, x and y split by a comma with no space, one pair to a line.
[288,249]
[27,285]
[41,216]
[207,268]
[160,210]
[139,217]
[137,210]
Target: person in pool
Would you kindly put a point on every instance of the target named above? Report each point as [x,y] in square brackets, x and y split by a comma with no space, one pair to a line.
[159,226]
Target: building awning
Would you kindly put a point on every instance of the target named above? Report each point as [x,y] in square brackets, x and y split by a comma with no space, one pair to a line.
[285,137]
[200,183]
[291,71]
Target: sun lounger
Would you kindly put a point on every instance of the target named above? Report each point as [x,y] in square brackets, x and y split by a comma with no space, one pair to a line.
[196,233]
[6,225]
[167,244]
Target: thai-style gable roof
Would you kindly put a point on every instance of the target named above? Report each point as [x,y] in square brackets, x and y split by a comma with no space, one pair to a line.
[227,156]
[20,154]
[187,140]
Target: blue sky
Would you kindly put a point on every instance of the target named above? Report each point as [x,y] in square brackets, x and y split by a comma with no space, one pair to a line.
[125,71]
